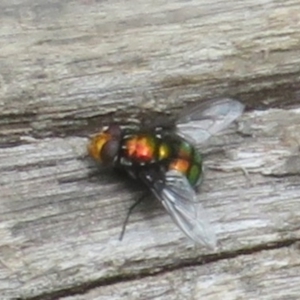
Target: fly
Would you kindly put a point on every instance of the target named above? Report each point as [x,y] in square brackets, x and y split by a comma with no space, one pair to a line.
[166,160]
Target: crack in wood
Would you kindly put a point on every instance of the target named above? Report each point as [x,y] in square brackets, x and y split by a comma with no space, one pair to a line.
[205,259]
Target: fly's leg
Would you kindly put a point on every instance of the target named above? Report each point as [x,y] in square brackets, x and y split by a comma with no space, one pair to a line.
[132,207]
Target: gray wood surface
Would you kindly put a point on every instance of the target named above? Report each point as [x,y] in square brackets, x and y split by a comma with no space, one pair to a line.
[66,68]
[268,275]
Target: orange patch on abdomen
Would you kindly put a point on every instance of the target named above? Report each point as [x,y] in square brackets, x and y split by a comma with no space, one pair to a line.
[180,165]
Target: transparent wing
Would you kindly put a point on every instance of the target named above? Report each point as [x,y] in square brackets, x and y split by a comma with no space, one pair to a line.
[179,199]
[199,122]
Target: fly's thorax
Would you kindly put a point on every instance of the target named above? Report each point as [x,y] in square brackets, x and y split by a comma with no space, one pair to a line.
[145,148]
[139,150]
[187,161]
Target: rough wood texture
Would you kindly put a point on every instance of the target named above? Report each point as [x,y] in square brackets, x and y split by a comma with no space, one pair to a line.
[271,275]
[69,64]
[66,67]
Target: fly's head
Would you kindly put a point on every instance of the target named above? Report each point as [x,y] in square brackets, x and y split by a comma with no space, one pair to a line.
[104,146]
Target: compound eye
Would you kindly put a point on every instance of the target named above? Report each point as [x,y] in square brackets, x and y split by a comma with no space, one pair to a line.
[110,151]
[96,144]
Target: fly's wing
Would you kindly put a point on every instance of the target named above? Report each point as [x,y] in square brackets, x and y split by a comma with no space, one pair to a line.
[199,122]
[179,199]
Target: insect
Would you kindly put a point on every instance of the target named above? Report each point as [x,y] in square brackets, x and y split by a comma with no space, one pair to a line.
[164,158]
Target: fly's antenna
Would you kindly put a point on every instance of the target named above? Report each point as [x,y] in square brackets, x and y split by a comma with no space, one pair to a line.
[132,207]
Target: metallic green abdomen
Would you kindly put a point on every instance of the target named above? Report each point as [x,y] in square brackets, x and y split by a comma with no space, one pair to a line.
[187,160]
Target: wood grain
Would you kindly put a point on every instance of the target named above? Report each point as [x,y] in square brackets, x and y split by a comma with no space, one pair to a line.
[262,275]
[67,67]
[60,225]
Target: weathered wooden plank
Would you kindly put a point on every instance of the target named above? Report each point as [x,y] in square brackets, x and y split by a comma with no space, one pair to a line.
[60,226]
[66,64]
[270,275]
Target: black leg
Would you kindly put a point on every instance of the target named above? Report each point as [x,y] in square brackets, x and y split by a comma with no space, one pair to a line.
[136,203]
